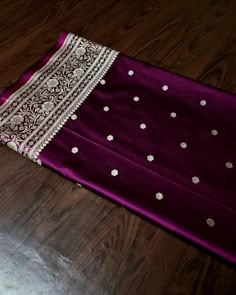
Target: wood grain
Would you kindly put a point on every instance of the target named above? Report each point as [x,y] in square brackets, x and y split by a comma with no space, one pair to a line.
[94,246]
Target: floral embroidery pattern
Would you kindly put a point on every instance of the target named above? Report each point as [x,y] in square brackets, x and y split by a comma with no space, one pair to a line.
[52,83]
[47,106]
[32,116]
[16,120]
[78,72]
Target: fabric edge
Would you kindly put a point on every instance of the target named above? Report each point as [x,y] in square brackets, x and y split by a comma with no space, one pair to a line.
[28,73]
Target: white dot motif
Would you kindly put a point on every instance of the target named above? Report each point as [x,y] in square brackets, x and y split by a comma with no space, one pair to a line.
[136,98]
[195,179]
[203,102]
[114,172]
[130,73]
[106,109]
[165,87]
[159,196]
[74,150]
[150,158]
[110,137]
[143,126]
[214,132]
[229,165]
[173,115]
[103,82]
[210,222]
[74,117]
[183,145]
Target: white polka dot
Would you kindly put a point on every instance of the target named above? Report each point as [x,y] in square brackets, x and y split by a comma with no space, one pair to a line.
[214,132]
[106,109]
[165,87]
[150,158]
[229,165]
[203,102]
[136,98]
[103,82]
[143,126]
[183,145]
[130,73]
[110,137]
[159,196]
[74,117]
[210,222]
[74,150]
[114,172]
[195,180]
[173,115]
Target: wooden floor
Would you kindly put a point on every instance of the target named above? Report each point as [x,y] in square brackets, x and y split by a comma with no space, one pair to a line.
[57,238]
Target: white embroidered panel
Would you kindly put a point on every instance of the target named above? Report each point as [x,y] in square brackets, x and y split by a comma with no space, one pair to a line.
[33,114]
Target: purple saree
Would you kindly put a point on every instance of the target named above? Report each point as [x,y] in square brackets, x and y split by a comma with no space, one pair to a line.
[157,143]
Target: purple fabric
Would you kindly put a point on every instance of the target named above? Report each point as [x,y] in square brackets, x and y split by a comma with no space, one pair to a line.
[185,206]
[157,143]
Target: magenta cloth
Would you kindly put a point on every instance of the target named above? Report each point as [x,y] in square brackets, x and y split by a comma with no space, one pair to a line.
[157,143]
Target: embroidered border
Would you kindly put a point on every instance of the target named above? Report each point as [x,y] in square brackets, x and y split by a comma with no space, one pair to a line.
[33,114]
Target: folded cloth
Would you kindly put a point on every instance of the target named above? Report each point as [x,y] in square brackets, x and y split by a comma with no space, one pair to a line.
[159,144]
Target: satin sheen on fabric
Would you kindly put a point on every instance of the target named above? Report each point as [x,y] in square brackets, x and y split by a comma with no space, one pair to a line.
[157,143]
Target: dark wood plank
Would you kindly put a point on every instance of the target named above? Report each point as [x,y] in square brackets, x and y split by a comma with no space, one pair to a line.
[58,238]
